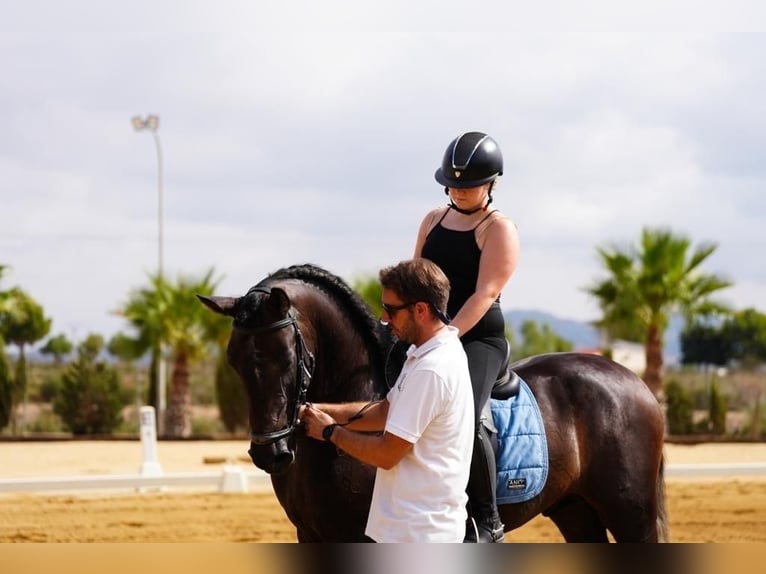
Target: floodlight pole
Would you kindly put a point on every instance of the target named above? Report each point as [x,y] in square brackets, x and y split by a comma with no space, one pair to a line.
[152,123]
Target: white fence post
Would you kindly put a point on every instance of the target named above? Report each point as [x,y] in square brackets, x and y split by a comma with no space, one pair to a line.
[150,466]
[233,479]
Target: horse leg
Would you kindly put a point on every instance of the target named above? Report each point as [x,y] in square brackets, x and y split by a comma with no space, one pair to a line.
[633,522]
[578,521]
[637,512]
[303,536]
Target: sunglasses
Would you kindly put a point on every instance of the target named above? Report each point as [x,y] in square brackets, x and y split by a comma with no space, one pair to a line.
[392,310]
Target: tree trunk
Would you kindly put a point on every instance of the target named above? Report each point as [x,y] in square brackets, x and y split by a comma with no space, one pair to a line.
[654,361]
[178,415]
[151,391]
[19,424]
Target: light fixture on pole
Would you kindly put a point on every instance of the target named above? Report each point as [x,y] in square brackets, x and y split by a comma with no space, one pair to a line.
[152,123]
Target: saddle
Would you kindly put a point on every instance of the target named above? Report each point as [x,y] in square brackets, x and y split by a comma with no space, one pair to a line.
[507,384]
[506,387]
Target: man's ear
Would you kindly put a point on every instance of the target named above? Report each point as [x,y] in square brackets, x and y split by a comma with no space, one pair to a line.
[422,309]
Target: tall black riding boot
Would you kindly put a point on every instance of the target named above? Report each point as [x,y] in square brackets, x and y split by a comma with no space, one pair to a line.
[481,493]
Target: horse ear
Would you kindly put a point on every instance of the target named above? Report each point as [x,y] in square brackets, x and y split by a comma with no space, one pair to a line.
[220,305]
[279,300]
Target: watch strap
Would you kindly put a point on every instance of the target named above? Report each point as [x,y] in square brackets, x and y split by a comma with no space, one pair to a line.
[328,430]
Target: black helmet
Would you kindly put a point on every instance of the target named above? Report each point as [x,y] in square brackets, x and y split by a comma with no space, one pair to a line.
[472,159]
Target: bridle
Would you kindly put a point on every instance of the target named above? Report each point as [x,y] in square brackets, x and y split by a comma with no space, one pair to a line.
[304,371]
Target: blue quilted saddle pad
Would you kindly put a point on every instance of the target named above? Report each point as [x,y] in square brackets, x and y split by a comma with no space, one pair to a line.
[522,454]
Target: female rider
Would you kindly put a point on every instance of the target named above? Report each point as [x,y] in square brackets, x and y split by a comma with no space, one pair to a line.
[477,247]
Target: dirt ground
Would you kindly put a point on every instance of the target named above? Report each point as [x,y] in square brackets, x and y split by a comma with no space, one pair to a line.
[709,510]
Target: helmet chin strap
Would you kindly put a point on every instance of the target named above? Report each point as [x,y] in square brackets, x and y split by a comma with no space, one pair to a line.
[469,211]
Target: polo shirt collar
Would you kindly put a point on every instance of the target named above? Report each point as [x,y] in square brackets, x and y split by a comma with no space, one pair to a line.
[442,338]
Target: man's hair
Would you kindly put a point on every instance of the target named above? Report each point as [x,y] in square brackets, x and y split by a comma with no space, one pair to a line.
[418,280]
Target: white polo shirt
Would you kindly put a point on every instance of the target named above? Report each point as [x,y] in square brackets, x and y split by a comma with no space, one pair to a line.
[422,498]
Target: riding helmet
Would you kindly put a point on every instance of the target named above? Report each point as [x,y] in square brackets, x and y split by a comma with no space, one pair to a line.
[471,159]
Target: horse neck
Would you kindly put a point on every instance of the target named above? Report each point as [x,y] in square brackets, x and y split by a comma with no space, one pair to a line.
[344,368]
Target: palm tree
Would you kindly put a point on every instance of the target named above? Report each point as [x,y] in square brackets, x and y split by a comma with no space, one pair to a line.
[646,285]
[142,311]
[185,324]
[169,314]
[22,322]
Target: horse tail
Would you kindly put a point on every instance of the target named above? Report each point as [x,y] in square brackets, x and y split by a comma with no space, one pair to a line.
[663,531]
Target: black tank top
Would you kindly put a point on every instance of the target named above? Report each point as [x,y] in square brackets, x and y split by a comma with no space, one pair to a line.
[458,255]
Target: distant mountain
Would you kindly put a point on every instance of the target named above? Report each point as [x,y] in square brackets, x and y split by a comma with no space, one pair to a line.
[582,335]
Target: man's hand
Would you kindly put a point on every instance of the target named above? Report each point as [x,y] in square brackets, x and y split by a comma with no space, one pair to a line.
[314,421]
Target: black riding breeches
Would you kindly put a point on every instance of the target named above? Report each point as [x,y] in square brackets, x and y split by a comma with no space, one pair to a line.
[486,357]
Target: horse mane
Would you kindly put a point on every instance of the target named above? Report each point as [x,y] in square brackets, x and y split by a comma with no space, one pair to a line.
[376,339]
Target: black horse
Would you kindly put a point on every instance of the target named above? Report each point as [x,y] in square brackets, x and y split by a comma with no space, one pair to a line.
[302,335]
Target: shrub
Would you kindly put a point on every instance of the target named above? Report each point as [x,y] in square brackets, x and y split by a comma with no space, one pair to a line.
[718,407]
[231,396]
[46,422]
[89,400]
[203,426]
[49,389]
[6,388]
[757,419]
[679,409]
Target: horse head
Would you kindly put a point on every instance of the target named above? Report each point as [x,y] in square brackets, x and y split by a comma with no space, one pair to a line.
[268,350]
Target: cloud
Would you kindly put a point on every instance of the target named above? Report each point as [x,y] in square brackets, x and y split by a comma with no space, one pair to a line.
[310,132]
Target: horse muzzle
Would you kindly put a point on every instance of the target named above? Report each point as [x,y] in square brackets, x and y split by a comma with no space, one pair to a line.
[272,458]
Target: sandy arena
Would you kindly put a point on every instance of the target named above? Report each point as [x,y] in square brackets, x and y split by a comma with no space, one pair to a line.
[700,510]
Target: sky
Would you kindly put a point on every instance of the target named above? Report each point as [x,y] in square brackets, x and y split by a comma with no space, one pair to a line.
[295,132]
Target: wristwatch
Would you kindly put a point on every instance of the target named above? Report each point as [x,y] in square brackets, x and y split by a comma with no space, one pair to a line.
[328,430]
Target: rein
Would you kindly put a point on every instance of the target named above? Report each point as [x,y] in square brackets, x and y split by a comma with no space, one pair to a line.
[304,371]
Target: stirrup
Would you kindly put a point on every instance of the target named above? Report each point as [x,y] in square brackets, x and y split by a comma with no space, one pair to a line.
[471,531]
[475,533]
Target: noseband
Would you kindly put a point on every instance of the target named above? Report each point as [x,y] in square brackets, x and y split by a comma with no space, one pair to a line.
[303,373]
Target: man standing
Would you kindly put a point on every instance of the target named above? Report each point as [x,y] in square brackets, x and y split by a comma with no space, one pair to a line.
[423,455]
